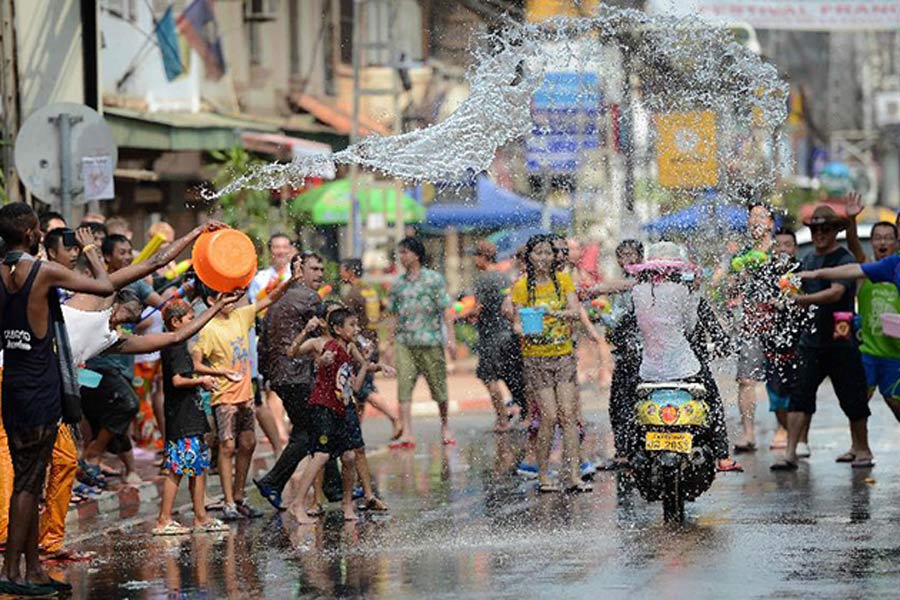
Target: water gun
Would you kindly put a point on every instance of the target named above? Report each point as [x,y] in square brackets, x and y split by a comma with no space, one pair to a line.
[598,307]
[752,258]
[178,270]
[324,291]
[273,283]
[151,248]
[464,306]
[789,284]
[181,292]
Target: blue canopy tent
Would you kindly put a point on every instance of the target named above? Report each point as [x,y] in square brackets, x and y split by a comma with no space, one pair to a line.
[493,208]
[695,217]
[510,240]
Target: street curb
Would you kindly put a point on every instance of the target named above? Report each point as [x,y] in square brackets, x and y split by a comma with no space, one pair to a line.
[128,500]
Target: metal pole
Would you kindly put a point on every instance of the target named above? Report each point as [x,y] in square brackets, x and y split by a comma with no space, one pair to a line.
[627,126]
[355,243]
[65,165]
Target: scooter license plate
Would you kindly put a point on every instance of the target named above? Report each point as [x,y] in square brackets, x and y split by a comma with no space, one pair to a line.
[669,442]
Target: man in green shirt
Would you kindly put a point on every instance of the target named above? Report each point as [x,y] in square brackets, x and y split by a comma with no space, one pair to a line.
[880,353]
[419,300]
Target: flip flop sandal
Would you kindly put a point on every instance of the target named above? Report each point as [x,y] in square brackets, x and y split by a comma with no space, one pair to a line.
[171,528]
[846,457]
[18,590]
[548,488]
[64,555]
[91,475]
[374,505]
[734,467]
[744,448]
[402,445]
[318,511]
[449,442]
[580,488]
[784,465]
[863,463]
[212,526]
[109,471]
[397,435]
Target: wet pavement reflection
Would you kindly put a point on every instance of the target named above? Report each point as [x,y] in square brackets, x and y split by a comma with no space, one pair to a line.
[463,525]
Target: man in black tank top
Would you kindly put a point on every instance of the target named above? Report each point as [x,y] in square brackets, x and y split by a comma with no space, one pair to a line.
[31,405]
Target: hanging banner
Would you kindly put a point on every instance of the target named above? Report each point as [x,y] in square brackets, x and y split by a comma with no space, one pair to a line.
[810,15]
[686,150]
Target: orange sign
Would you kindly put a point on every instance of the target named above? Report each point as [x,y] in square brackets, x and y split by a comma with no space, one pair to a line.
[686,150]
[538,10]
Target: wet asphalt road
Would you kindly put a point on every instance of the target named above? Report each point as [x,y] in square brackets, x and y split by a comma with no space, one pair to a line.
[463,525]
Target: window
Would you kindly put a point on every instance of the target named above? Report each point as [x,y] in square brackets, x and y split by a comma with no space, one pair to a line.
[345,35]
[254,43]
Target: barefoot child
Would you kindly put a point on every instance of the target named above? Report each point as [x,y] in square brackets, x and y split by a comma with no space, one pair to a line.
[186,452]
[332,396]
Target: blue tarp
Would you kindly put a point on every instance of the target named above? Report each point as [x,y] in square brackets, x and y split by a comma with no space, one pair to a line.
[494,207]
[692,218]
[510,240]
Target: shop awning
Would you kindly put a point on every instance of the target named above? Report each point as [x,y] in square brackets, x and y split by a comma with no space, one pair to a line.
[329,204]
[201,131]
[494,207]
[283,147]
[328,112]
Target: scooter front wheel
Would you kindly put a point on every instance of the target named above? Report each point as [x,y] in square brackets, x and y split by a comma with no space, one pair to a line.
[673,498]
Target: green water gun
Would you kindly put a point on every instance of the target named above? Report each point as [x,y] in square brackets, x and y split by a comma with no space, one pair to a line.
[751,258]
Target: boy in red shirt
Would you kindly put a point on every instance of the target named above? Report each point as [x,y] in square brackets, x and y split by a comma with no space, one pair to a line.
[336,383]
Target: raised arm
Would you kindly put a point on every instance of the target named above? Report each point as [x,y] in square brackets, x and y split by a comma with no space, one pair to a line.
[276,294]
[829,295]
[133,272]
[58,276]
[838,273]
[151,342]
[854,207]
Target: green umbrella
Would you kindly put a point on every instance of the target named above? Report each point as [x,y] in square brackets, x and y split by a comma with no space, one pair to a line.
[329,204]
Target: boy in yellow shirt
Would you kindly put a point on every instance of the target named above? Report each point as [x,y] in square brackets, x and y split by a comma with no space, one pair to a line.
[223,350]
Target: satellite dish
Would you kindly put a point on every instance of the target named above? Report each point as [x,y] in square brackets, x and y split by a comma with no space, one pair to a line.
[49,151]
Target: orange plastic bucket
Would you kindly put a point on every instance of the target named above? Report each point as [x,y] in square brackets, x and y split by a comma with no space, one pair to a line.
[224,260]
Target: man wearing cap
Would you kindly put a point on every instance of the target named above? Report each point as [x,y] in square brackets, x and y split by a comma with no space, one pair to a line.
[499,352]
[828,348]
[878,295]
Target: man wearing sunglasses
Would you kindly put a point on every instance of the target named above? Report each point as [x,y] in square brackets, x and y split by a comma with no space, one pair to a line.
[828,348]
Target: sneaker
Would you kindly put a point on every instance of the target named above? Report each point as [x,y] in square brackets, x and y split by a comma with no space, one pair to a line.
[527,471]
[587,470]
[803,450]
[270,494]
[249,511]
[230,513]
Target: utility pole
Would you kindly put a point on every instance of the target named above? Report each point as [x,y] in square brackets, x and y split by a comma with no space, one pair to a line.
[374,32]
[9,91]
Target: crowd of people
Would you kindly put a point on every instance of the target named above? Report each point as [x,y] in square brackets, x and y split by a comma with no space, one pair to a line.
[295,360]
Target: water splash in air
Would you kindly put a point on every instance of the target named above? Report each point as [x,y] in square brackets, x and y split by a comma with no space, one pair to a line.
[683,64]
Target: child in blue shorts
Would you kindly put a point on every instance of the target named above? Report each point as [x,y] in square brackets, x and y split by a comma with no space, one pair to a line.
[186,452]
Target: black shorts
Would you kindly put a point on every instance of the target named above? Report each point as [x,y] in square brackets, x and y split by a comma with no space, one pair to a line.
[329,431]
[368,388]
[499,361]
[111,405]
[30,451]
[843,365]
[354,429]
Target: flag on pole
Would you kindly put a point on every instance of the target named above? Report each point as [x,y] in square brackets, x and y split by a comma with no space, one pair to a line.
[169,45]
[198,26]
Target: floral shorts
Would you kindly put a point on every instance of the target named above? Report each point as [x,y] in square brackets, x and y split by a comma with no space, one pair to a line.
[188,456]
